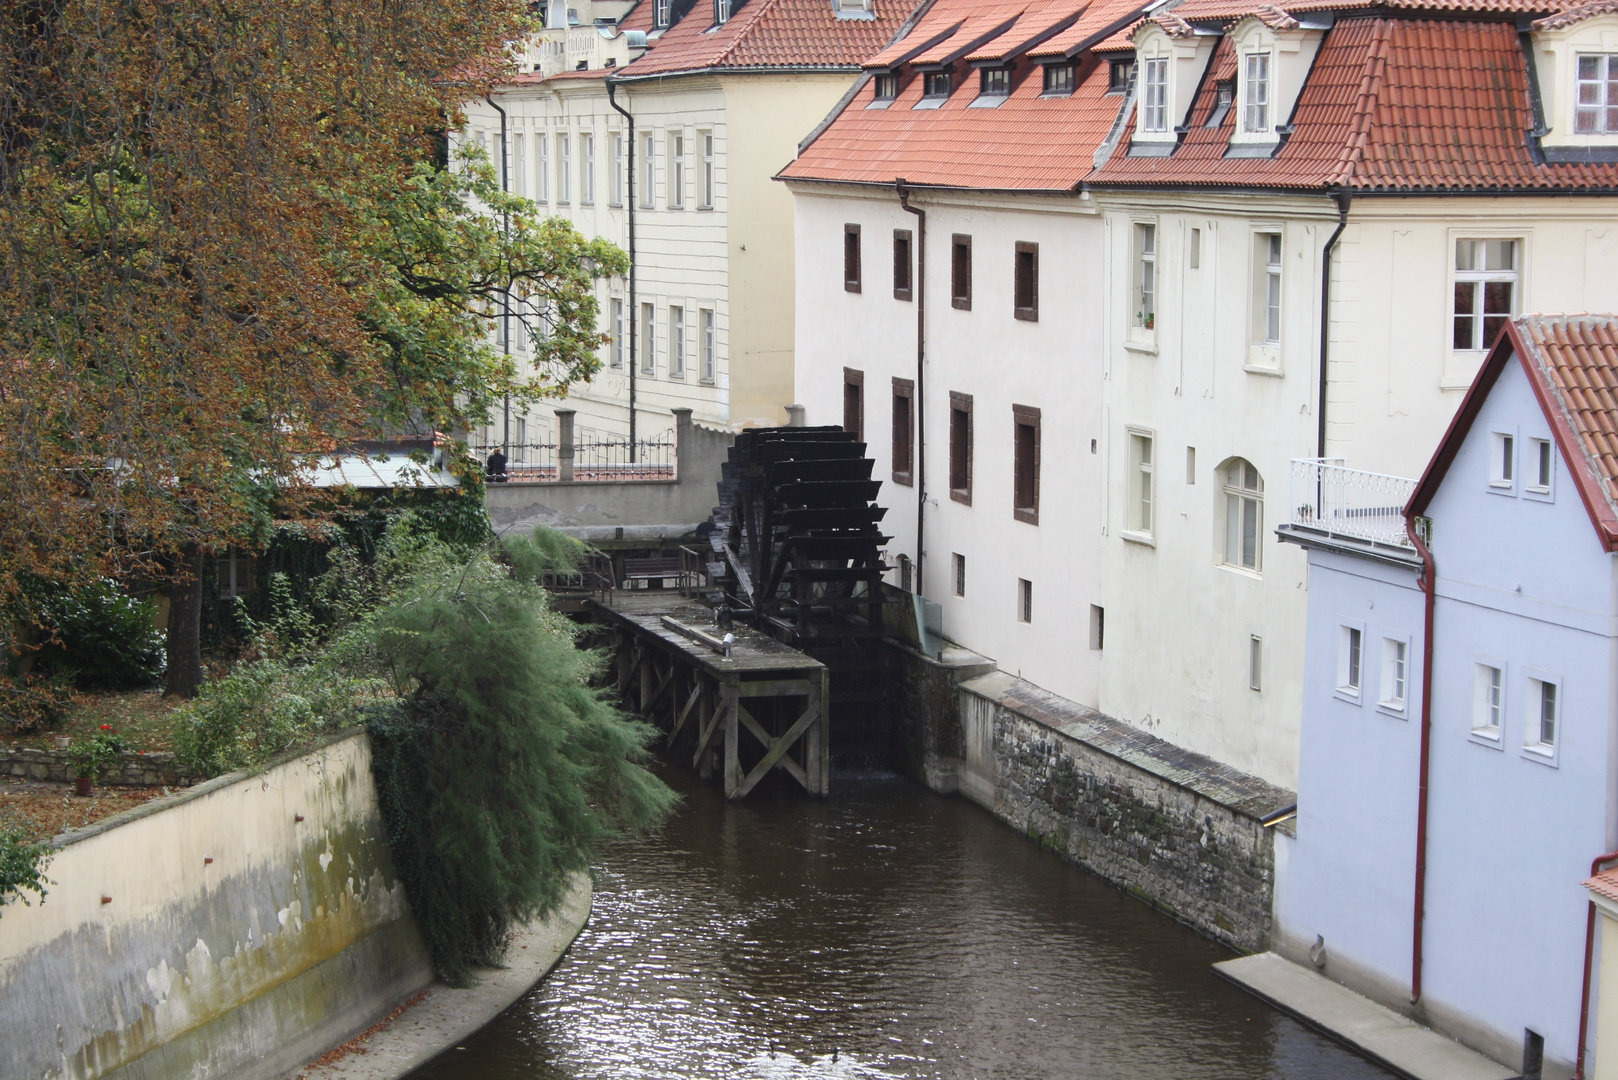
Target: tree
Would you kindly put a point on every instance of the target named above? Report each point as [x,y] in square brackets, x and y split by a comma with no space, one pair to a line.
[227,248]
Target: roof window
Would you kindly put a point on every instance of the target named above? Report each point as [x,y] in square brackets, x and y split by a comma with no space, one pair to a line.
[1059,80]
[996,82]
[853,9]
[887,86]
[1224,98]
[660,14]
[1576,63]
[721,12]
[935,84]
[1119,72]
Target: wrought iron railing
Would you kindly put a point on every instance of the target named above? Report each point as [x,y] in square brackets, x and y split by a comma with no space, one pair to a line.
[1329,497]
[591,459]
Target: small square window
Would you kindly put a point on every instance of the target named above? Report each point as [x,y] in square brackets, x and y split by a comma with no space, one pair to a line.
[1119,72]
[1025,600]
[994,81]
[935,84]
[887,87]
[1488,700]
[1395,674]
[1544,718]
[960,574]
[1059,80]
[1541,466]
[1502,460]
[1350,659]
[1255,663]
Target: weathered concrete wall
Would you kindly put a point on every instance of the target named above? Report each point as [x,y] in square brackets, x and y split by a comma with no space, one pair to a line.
[135,770]
[239,929]
[1176,829]
[584,505]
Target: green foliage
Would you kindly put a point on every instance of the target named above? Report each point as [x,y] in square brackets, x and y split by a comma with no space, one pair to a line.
[98,755]
[101,638]
[22,863]
[503,768]
[544,551]
[30,702]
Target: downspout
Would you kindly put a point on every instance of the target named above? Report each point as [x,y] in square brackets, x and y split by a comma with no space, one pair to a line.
[1589,958]
[505,294]
[633,313]
[1343,197]
[920,464]
[1429,586]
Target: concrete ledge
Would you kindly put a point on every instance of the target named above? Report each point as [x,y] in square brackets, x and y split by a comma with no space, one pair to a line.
[1390,1040]
[446,1016]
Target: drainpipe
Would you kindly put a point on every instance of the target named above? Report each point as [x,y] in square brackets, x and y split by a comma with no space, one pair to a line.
[1589,956]
[1429,586]
[634,308]
[920,286]
[1343,197]
[505,294]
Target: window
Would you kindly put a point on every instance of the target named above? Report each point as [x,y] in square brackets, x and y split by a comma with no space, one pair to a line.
[676,172]
[676,342]
[617,333]
[660,14]
[851,258]
[1541,462]
[1098,626]
[935,84]
[1485,290]
[1543,715]
[1025,286]
[587,169]
[887,87]
[721,12]
[705,198]
[1119,72]
[1350,644]
[709,346]
[617,169]
[1267,289]
[904,431]
[1145,276]
[1194,250]
[901,264]
[648,173]
[1596,106]
[1025,464]
[1244,515]
[564,168]
[1488,700]
[1503,460]
[1140,483]
[1059,80]
[960,447]
[234,570]
[519,163]
[1025,600]
[1255,662]
[1224,98]
[648,350]
[1256,114]
[542,144]
[1190,465]
[906,573]
[1154,99]
[854,402]
[1395,674]
[960,574]
[960,272]
[994,81]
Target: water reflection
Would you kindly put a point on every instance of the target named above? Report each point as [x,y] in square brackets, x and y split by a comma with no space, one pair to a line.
[887,933]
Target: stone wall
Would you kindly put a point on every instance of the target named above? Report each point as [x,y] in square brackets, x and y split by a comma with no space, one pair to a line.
[156,769]
[1178,830]
[239,928]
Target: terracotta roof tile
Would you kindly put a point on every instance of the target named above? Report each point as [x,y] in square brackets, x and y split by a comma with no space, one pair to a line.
[974,33]
[1397,104]
[1605,883]
[1100,20]
[1226,11]
[1577,13]
[1578,355]
[1037,25]
[768,33]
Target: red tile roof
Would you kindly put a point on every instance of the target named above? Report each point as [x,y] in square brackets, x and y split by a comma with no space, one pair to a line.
[1577,13]
[1225,11]
[1605,883]
[766,34]
[1100,20]
[1392,104]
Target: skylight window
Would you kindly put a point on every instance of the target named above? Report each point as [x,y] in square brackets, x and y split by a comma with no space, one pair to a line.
[887,87]
[1059,79]
[936,84]
[995,82]
[1119,72]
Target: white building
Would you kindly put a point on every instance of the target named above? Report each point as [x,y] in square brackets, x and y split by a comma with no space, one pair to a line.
[1521,512]
[659,126]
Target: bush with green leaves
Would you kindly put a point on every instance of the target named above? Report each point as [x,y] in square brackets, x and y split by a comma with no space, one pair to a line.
[22,863]
[100,637]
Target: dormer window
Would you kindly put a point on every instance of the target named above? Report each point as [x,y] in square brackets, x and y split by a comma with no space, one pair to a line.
[1059,80]
[1118,73]
[995,82]
[852,9]
[660,14]
[721,12]
[1256,111]
[887,87]
[1154,100]
[935,84]
[1224,98]
[1596,111]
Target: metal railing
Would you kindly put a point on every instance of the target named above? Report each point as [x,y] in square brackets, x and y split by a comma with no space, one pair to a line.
[1327,496]
[594,460]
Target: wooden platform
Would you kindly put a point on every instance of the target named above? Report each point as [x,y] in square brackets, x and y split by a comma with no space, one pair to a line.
[673,669]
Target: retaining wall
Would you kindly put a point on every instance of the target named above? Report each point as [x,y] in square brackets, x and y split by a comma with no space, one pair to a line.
[240,928]
[154,769]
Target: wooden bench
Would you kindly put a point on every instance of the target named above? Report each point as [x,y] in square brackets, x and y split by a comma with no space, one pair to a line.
[649,570]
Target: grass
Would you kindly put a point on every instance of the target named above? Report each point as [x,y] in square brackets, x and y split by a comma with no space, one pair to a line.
[141,717]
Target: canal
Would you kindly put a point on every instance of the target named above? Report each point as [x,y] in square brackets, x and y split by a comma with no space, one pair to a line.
[887,932]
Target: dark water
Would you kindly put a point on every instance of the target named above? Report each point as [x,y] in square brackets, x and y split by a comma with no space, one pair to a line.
[909,935]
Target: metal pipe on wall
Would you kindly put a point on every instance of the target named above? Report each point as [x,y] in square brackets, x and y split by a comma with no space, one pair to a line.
[505,294]
[633,314]
[920,404]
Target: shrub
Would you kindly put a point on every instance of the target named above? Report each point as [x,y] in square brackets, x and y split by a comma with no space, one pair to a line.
[22,863]
[98,755]
[28,702]
[102,638]
[256,712]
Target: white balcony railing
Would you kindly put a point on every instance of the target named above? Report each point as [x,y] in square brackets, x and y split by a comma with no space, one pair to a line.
[1340,501]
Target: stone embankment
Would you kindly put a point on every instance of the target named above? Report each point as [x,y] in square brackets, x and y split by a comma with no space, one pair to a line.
[155,769]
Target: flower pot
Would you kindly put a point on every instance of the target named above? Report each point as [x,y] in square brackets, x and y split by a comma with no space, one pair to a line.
[83,785]
[63,742]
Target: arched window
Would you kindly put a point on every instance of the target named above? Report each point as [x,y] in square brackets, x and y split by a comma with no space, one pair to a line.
[1244,514]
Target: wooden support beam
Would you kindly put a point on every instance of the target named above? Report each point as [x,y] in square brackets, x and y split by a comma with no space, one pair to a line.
[817,750]
[657,695]
[811,714]
[712,715]
[764,737]
[696,692]
[729,706]
[774,688]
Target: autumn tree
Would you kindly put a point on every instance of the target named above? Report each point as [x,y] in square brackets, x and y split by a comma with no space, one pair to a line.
[227,244]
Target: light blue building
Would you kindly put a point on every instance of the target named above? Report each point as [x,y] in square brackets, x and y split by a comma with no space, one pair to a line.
[1445,825]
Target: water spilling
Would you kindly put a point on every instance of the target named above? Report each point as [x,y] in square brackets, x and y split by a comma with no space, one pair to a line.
[886,933]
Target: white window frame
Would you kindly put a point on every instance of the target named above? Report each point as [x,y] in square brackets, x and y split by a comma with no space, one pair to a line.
[1504,449]
[1140,509]
[1145,248]
[676,341]
[648,170]
[587,169]
[617,168]
[1535,683]
[1480,279]
[676,185]
[1349,682]
[542,147]
[648,334]
[1608,123]
[564,168]
[519,164]
[1538,463]
[1236,498]
[1256,91]
[661,11]
[705,197]
[1489,701]
[1255,663]
[1154,96]
[617,353]
[708,322]
[1393,684]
